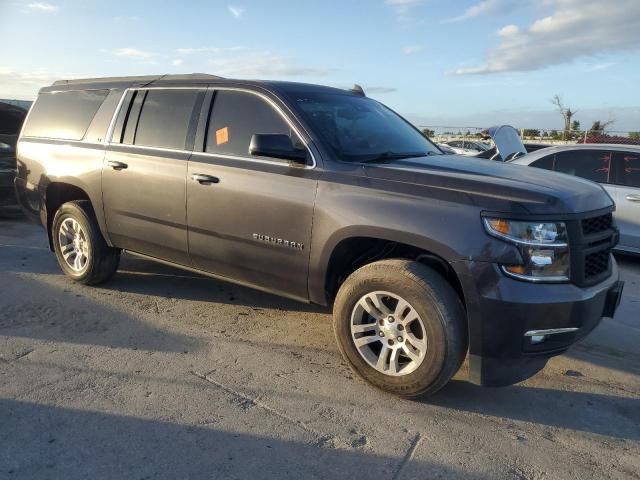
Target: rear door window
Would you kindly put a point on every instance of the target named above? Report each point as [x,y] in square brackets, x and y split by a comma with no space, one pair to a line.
[64,115]
[545,162]
[165,118]
[590,164]
[236,117]
[627,168]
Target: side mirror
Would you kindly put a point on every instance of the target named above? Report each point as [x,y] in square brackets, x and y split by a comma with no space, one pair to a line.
[276,145]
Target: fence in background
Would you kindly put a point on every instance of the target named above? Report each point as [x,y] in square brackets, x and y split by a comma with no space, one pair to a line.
[443,134]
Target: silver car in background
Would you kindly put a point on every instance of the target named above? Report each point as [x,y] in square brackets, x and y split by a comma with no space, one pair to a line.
[615,167]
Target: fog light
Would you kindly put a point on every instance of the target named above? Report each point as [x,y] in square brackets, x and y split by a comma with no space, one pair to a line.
[537,339]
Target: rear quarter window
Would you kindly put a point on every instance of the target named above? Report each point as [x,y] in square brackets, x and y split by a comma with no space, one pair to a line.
[64,115]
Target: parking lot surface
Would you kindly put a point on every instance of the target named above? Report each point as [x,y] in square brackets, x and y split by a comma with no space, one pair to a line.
[161,373]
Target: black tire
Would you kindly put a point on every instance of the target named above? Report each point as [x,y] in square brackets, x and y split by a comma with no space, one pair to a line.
[103,261]
[438,305]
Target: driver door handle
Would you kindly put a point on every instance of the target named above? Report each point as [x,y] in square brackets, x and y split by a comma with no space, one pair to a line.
[204,179]
[117,165]
[633,198]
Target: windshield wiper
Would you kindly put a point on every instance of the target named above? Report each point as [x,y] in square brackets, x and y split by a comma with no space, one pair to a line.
[388,156]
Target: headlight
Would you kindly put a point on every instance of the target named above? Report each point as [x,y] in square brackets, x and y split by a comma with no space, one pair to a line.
[544,247]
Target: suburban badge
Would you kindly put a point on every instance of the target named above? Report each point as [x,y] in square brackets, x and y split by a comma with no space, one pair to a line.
[278,241]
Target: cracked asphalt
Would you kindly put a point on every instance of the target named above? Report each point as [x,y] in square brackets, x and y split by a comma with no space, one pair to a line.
[161,374]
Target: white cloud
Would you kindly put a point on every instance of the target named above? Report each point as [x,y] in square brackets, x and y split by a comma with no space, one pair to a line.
[237,12]
[402,3]
[24,85]
[177,62]
[207,50]
[133,53]
[262,65]
[486,7]
[402,8]
[411,49]
[575,29]
[380,90]
[508,31]
[42,7]
[600,66]
[127,18]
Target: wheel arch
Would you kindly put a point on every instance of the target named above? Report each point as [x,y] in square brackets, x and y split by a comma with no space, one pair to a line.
[56,194]
[350,252]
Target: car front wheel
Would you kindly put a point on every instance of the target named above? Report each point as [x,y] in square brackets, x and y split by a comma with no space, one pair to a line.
[401,327]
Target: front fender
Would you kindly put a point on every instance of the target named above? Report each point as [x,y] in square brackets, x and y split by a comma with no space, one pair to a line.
[447,229]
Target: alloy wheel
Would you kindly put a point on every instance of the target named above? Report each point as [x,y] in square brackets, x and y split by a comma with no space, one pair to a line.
[388,333]
[74,245]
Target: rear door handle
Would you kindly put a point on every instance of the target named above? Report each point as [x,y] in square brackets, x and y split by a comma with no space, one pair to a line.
[204,179]
[117,165]
[633,198]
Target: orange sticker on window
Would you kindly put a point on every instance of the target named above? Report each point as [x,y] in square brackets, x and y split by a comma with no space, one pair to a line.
[222,135]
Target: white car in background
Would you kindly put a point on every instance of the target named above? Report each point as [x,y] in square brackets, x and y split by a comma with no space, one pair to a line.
[467,147]
[615,167]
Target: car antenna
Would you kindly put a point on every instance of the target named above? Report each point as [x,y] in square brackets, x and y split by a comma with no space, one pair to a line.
[357,89]
[155,80]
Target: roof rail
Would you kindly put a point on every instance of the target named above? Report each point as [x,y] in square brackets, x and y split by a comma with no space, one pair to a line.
[148,79]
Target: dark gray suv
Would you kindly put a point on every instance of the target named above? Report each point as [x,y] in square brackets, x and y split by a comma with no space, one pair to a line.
[326,196]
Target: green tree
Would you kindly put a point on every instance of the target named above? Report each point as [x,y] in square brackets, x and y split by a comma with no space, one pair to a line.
[599,127]
[634,135]
[575,125]
[531,133]
[427,132]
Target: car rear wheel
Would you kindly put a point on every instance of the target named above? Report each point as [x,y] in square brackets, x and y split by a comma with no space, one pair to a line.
[79,246]
[401,327]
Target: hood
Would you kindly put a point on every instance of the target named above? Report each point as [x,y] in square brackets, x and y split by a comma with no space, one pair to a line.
[494,185]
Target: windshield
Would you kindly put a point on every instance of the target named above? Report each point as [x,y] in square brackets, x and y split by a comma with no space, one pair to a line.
[359,129]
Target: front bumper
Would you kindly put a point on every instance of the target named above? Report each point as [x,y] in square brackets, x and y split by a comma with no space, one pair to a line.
[505,315]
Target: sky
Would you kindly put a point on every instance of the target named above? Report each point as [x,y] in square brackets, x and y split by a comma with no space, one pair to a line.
[437,62]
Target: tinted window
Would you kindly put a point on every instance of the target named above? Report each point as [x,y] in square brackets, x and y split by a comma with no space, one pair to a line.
[628,168]
[544,162]
[165,118]
[11,119]
[235,117]
[118,128]
[359,128]
[132,117]
[64,115]
[589,164]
